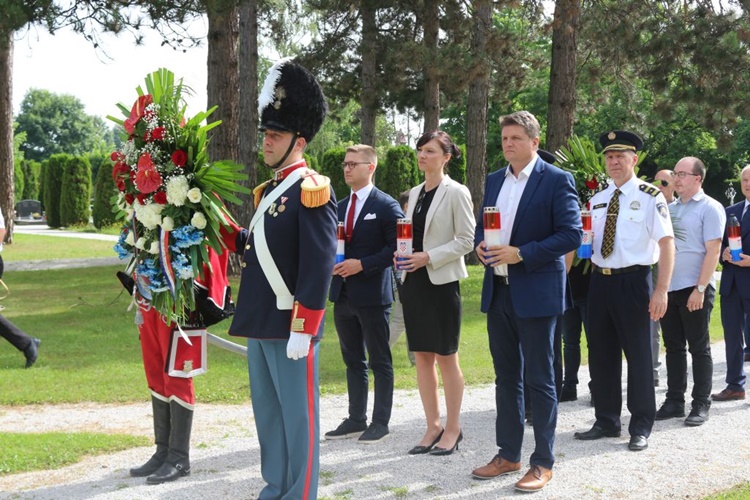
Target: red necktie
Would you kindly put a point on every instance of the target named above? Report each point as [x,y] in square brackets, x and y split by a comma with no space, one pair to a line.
[350,217]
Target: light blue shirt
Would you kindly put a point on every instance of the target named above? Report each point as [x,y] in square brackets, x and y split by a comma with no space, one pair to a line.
[697,221]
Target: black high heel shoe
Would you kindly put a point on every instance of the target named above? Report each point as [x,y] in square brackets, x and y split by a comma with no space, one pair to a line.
[421,450]
[437,451]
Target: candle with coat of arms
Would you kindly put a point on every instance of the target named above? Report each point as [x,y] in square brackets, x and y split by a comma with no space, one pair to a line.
[403,241]
[585,250]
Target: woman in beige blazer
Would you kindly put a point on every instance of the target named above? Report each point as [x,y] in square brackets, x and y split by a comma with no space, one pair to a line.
[443,228]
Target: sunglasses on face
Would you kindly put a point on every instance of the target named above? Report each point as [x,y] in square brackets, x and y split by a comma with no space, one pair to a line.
[664,183]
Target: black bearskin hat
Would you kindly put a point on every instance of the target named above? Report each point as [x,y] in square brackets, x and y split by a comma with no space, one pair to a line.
[291,101]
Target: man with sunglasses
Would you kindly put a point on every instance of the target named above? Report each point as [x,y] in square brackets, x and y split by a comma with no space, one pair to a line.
[664,180]
[699,221]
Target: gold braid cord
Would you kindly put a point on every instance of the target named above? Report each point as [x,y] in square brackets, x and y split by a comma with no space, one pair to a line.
[258,192]
[316,190]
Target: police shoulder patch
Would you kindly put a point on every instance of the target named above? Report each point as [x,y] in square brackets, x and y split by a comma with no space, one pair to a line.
[663,210]
[604,185]
[316,189]
[649,189]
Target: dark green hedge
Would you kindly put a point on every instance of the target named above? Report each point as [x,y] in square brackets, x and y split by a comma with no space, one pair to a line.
[75,200]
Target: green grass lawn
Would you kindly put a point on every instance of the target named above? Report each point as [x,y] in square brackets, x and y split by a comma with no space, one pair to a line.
[35,247]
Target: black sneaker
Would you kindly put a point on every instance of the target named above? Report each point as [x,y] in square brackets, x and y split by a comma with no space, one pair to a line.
[670,409]
[347,428]
[698,416]
[32,352]
[376,432]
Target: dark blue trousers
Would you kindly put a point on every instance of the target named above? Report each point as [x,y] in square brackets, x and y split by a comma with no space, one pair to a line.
[363,331]
[574,321]
[734,309]
[522,346]
[285,398]
[620,322]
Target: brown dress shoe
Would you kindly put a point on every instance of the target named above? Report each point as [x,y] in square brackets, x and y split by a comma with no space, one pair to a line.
[497,467]
[728,395]
[535,479]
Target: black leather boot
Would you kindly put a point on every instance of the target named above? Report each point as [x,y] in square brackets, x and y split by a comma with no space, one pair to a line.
[161,439]
[177,463]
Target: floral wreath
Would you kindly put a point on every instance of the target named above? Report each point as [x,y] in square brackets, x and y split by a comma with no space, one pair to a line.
[170,195]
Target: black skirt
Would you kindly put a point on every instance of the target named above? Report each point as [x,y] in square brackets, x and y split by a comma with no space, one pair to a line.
[432,314]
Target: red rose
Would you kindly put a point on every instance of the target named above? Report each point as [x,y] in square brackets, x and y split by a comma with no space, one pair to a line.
[136,113]
[179,158]
[129,199]
[158,134]
[160,197]
[593,183]
[141,198]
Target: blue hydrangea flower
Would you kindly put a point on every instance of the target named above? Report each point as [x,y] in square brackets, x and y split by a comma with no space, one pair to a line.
[119,247]
[185,237]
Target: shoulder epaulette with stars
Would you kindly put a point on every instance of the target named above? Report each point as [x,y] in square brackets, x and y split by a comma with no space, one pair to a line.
[602,187]
[649,189]
[258,192]
[316,189]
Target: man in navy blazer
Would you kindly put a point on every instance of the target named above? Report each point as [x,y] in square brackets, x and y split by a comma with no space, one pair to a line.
[734,289]
[362,293]
[524,293]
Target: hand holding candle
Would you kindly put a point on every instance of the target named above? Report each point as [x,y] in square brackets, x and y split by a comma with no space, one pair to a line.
[403,242]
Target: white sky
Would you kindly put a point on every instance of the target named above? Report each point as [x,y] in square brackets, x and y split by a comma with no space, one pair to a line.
[66,63]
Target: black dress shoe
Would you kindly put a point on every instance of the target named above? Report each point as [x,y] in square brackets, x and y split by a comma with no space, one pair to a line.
[448,451]
[670,409]
[638,443]
[32,352]
[568,393]
[597,432]
[698,415]
[421,450]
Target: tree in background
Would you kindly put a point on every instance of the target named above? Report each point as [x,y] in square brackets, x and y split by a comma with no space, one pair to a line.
[31,170]
[398,171]
[75,199]
[53,175]
[104,190]
[57,123]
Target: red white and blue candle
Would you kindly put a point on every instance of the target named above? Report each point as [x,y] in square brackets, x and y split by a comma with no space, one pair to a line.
[587,240]
[492,228]
[734,238]
[404,241]
[340,240]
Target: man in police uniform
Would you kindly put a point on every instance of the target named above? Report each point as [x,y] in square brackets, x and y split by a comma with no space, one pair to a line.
[632,231]
[288,254]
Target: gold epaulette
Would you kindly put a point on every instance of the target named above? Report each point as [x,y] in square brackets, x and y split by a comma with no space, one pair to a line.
[258,192]
[316,189]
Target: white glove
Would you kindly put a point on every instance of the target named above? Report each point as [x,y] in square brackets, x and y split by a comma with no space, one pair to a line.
[298,345]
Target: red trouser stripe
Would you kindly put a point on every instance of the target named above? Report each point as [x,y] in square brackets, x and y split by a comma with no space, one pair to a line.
[310,417]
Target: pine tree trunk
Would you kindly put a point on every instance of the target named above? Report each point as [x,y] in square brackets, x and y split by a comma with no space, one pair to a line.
[369,53]
[430,66]
[248,107]
[476,108]
[6,131]
[562,85]
[223,79]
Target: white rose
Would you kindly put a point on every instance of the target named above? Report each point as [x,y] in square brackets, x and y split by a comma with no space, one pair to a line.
[167,223]
[198,221]
[130,239]
[194,195]
[141,243]
[154,248]
[149,214]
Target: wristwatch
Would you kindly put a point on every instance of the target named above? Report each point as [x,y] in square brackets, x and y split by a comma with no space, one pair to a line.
[701,288]
[518,254]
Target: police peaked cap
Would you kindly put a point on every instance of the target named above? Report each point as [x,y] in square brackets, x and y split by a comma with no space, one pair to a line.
[546,156]
[291,101]
[620,140]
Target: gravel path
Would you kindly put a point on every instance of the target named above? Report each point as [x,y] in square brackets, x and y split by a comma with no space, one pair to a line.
[681,462]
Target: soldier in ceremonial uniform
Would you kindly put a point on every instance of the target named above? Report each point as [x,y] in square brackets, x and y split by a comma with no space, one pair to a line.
[288,253]
[632,231]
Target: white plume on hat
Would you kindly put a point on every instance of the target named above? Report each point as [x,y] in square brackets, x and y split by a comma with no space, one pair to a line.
[267,93]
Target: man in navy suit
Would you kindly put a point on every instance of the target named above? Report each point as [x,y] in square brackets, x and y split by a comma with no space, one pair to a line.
[524,293]
[362,293]
[734,289]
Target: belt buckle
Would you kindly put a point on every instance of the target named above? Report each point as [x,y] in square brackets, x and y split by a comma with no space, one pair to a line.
[606,271]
